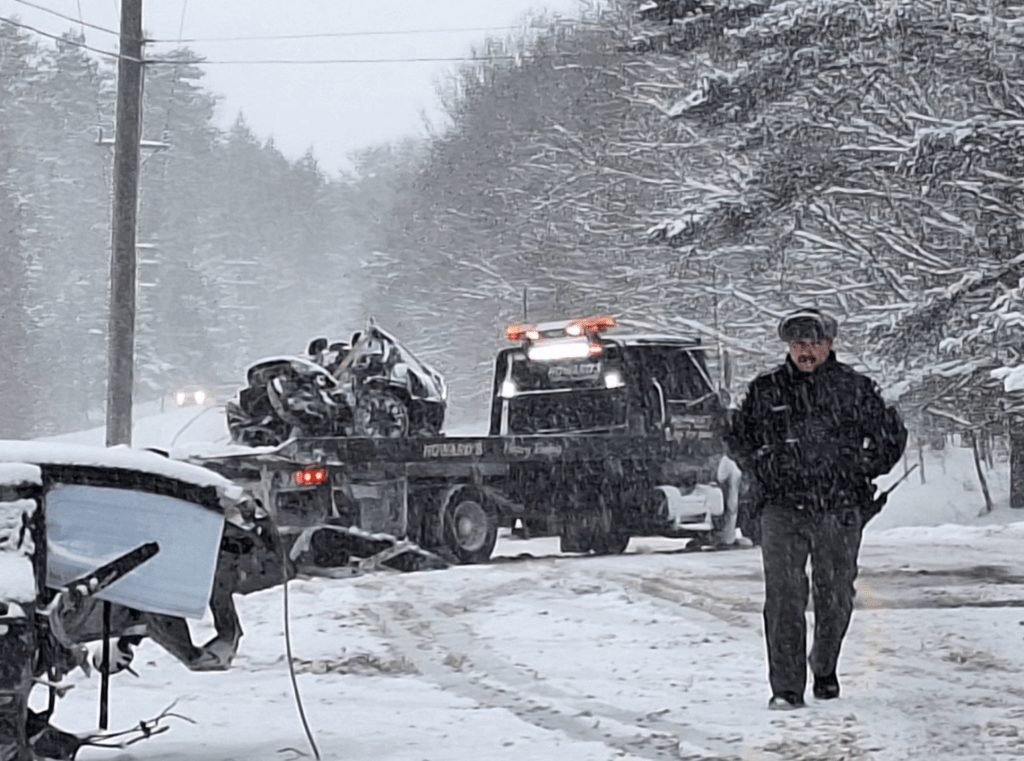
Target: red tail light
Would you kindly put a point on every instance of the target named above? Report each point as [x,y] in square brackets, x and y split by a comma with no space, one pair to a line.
[310,476]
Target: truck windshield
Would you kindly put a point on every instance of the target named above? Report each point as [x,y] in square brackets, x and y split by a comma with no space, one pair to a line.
[556,412]
[553,397]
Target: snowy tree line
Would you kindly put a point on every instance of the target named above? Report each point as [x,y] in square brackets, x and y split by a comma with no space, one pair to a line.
[677,162]
[227,228]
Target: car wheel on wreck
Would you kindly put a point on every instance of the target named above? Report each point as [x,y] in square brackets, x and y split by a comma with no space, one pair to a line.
[426,418]
[381,413]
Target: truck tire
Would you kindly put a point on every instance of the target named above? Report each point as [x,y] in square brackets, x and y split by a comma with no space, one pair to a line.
[469,527]
[612,543]
[381,413]
[592,531]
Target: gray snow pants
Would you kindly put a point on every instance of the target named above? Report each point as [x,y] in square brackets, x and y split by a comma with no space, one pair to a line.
[788,537]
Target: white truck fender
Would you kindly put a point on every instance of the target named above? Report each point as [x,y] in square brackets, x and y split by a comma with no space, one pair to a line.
[703,501]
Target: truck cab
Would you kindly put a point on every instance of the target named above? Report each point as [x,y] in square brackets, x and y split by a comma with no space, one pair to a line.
[653,393]
[571,378]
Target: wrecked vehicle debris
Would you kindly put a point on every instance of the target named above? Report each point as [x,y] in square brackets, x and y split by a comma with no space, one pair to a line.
[370,386]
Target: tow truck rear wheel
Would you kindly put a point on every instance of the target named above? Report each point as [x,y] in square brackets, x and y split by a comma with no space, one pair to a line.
[470,527]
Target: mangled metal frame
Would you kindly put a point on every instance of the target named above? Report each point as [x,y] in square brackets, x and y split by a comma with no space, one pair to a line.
[186,539]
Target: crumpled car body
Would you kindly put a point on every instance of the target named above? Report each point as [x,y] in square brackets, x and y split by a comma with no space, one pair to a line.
[372,386]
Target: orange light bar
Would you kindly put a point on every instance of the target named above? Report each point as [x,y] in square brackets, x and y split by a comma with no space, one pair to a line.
[310,476]
[517,332]
[589,326]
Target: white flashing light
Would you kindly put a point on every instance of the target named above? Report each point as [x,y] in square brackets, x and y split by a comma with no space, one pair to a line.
[200,397]
[508,389]
[555,349]
[180,398]
[613,379]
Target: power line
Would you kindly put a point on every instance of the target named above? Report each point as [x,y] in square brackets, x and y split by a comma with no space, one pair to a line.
[527,56]
[284,62]
[65,40]
[199,61]
[68,18]
[276,62]
[371,33]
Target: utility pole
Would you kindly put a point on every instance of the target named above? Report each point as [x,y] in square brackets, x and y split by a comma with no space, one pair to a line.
[121,325]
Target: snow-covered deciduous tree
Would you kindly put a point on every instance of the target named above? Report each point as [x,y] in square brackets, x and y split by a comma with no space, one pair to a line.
[18,396]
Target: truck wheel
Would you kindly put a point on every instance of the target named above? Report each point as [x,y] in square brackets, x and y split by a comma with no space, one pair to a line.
[612,543]
[381,413]
[470,527]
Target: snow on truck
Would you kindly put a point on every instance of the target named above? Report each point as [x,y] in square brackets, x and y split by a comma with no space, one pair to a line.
[594,437]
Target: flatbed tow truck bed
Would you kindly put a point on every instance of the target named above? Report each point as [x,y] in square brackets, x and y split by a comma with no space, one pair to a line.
[450,494]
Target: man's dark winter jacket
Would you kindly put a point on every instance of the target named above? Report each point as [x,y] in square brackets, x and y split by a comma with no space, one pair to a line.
[815,439]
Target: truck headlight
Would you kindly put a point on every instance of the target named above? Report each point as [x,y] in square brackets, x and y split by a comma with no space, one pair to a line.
[613,379]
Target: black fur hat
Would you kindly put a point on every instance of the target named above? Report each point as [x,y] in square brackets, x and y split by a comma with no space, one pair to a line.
[808,324]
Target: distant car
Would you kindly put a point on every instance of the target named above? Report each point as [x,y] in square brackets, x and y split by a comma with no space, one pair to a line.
[188,396]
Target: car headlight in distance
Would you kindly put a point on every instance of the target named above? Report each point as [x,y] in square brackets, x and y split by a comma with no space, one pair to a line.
[199,396]
[179,398]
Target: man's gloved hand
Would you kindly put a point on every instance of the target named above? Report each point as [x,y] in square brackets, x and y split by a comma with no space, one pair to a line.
[873,508]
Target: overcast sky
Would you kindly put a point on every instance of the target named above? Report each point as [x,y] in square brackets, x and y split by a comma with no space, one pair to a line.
[332,107]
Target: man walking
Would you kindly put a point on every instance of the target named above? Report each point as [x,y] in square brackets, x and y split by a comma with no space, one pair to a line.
[812,434]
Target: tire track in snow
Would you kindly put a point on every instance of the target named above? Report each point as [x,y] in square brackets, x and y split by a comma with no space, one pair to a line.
[450,654]
[733,611]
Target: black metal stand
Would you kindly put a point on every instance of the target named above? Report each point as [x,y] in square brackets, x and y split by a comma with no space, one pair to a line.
[105,669]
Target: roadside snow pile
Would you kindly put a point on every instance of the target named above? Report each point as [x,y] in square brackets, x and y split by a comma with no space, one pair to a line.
[951,492]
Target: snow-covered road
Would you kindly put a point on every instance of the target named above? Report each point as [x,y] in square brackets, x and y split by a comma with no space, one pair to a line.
[657,654]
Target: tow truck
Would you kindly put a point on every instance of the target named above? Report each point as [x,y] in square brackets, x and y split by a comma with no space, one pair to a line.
[593,436]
